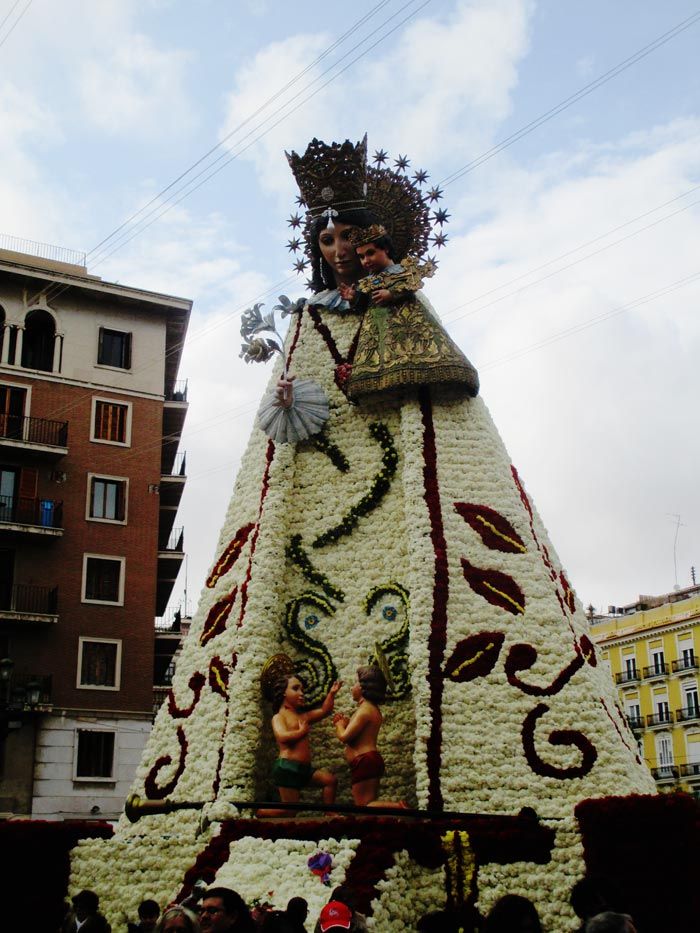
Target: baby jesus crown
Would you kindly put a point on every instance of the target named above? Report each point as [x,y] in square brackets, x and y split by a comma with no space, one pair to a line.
[361,236]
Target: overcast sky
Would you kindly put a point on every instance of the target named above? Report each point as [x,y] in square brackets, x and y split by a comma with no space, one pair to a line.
[572,273]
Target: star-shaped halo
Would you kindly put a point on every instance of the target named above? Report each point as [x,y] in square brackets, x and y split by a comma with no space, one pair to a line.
[420,176]
[300,201]
[300,265]
[439,239]
[435,193]
[294,221]
[402,163]
[380,156]
[441,216]
[293,245]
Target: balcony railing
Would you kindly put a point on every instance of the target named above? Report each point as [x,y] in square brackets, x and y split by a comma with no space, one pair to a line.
[169,622]
[179,467]
[665,773]
[179,392]
[688,714]
[34,430]
[656,670]
[28,599]
[660,719]
[689,769]
[636,722]
[175,543]
[685,664]
[18,510]
[627,677]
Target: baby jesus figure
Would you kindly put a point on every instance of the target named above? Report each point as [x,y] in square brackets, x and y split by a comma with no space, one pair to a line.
[359,734]
[401,340]
[291,726]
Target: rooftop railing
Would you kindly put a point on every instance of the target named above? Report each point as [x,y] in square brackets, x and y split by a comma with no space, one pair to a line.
[42,250]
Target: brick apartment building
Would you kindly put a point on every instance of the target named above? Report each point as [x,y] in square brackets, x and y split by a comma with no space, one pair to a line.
[91,414]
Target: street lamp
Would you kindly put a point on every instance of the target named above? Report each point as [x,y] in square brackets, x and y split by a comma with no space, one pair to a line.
[33,689]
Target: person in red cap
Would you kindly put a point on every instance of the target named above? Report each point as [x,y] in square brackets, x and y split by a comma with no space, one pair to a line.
[335,916]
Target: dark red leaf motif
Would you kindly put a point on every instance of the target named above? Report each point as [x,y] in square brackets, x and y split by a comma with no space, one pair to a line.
[569,597]
[230,555]
[195,683]
[495,587]
[521,657]
[217,617]
[474,656]
[218,677]
[588,650]
[152,790]
[494,529]
[588,751]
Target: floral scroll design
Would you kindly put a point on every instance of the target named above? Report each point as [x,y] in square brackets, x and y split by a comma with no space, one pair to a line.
[477,655]
[317,671]
[393,647]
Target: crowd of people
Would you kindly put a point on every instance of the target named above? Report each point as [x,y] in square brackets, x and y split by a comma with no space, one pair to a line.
[222,910]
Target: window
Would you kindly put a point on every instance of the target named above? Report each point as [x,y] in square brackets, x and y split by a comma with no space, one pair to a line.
[630,667]
[114,349]
[691,702]
[103,579]
[657,660]
[12,409]
[94,756]
[107,498]
[39,339]
[99,663]
[110,422]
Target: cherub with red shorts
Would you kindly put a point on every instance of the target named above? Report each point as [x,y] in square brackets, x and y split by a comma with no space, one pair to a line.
[359,733]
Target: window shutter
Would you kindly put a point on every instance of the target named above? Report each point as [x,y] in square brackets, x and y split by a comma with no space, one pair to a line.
[127,351]
[28,479]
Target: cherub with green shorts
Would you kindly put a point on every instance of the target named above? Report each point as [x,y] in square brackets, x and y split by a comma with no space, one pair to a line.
[291,725]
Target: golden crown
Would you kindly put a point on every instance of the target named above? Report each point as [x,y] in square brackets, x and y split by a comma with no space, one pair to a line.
[360,236]
[331,176]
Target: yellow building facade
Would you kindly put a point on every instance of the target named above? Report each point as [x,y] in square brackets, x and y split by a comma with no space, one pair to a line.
[652,648]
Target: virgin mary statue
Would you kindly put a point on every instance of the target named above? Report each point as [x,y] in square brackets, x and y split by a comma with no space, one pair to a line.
[396,529]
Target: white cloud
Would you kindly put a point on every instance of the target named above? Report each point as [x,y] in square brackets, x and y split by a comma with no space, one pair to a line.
[136,88]
[599,423]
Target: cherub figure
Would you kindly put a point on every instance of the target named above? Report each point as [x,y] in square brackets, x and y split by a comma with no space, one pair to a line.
[401,341]
[359,734]
[291,725]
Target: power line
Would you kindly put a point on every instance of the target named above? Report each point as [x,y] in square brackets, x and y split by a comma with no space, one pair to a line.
[584,325]
[247,120]
[574,98]
[209,172]
[14,25]
[576,262]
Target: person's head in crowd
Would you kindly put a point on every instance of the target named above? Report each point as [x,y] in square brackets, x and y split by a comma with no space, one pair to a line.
[345,895]
[178,919]
[85,903]
[335,916]
[610,922]
[224,911]
[513,914]
[297,910]
[148,912]
[437,921]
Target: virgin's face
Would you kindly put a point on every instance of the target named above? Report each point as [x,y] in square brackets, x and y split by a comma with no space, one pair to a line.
[339,253]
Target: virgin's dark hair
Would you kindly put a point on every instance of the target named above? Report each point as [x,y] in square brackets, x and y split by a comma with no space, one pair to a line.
[322,276]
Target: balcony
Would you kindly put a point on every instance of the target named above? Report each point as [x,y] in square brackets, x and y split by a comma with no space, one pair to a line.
[33,516]
[636,723]
[170,557]
[628,677]
[689,714]
[654,720]
[685,664]
[174,412]
[23,602]
[656,670]
[40,436]
[690,770]
[665,773]
[172,485]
